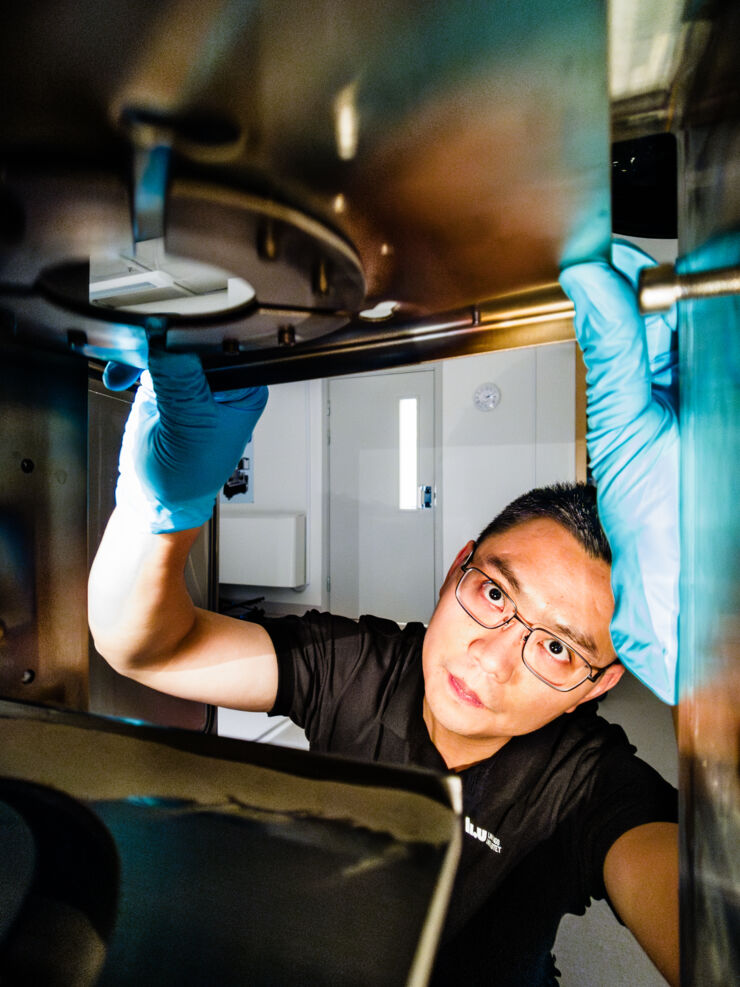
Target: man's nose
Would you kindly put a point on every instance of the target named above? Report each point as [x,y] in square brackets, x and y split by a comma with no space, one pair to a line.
[498,651]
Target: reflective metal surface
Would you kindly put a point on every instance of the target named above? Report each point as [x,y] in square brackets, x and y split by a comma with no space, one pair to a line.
[244,863]
[66,910]
[709,665]
[661,287]
[43,502]
[526,318]
[331,154]
[710,631]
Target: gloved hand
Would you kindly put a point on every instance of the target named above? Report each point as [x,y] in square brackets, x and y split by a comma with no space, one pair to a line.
[181,443]
[634,451]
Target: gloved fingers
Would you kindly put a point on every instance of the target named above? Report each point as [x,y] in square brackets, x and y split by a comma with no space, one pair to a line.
[175,372]
[183,395]
[611,334]
[660,329]
[630,260]
[243,398]
[119,376]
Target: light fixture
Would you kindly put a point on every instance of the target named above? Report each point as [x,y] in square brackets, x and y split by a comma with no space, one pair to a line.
[346,122]
[379,312]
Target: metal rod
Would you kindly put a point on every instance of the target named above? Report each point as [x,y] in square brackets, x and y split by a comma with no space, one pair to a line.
[661,287]
[526,318]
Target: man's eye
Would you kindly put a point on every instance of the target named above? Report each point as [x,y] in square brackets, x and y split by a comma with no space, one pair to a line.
[494,595]
[556,650]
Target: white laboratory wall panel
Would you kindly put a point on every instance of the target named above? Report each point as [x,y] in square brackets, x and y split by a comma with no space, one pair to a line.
[528,439]
[487,456]
[288,450]
[555,414]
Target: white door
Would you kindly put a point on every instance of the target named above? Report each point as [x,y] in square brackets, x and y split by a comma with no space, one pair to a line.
[381,542]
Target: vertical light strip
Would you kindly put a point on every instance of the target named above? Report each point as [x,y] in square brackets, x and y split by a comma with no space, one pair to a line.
[408,482]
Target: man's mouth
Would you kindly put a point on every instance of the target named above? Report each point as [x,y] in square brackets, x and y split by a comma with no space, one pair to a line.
[463,692]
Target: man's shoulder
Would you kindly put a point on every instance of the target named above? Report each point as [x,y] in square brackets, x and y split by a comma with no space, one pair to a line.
[591,727]
[583,735]
[330,626]
[606,769]
[363,655]
[411,632]
[341,678]
[570,761]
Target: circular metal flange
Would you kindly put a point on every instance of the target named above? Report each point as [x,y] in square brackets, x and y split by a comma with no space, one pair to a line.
[307,278]
[292,259]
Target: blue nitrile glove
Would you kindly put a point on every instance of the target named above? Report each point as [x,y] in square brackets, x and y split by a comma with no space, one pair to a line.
[634,451]
[181,443]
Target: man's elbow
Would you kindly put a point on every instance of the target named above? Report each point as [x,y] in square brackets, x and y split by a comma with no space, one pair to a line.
[130,661]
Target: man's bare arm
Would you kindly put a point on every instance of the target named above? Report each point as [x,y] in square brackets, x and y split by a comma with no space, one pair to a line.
[641,877]
[180,444]
[146,626]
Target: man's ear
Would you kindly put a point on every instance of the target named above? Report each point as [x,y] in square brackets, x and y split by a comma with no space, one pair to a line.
[607,681]
[459,559]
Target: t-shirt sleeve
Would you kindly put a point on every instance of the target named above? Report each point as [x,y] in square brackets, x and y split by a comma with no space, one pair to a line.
[627,792]
[334,673]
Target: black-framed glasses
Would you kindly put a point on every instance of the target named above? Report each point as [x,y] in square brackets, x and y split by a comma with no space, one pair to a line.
[552,660]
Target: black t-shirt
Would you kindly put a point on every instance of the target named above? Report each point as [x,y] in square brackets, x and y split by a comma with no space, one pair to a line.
[538,817]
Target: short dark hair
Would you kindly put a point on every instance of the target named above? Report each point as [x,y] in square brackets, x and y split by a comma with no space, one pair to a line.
[573,505]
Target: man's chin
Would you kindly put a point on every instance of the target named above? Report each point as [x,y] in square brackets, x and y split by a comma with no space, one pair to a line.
[476,723]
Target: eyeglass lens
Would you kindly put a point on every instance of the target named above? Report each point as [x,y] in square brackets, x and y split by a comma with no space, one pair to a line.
[553,660]
[544,653]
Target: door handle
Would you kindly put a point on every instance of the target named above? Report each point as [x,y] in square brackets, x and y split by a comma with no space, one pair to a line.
[425,500]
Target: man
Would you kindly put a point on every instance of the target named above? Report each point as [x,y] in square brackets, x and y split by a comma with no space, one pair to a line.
[498,688]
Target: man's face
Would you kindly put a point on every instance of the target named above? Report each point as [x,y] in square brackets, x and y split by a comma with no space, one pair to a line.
[478,692]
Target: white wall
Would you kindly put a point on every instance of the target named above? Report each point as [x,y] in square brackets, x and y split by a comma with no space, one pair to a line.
[288,453]
[484,459]
[490,457]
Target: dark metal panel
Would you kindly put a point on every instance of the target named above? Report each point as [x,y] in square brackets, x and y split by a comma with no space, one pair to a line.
[43,559]
[239,863]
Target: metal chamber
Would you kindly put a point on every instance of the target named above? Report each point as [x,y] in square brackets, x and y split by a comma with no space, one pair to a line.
[333,155]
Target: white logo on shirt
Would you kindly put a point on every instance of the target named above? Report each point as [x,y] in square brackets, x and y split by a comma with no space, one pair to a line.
[491,841]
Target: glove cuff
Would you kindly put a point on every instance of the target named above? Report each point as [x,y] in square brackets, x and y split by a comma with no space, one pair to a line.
[150,514]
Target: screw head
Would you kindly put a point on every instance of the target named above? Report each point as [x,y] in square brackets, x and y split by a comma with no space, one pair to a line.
[286,336]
